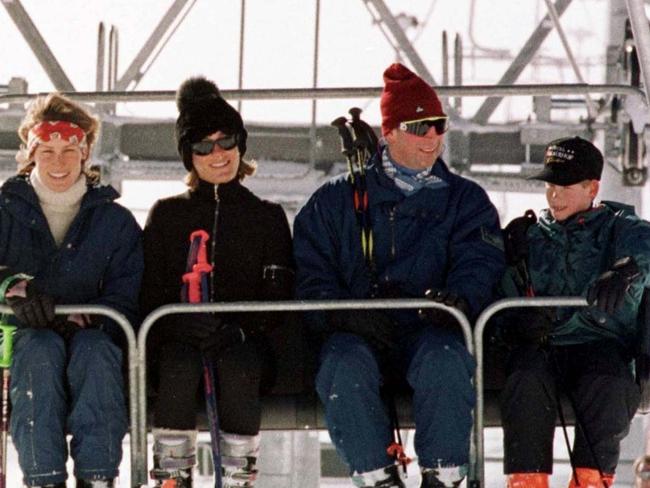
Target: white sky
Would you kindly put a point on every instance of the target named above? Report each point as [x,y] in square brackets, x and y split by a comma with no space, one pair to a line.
[279,49]
[279,45]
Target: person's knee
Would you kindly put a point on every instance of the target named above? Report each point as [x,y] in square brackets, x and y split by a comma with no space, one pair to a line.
[436,362]
[39,346]
[89,338]
[348,349]
[527,391]
[94,346]
[243,361]
[346,360]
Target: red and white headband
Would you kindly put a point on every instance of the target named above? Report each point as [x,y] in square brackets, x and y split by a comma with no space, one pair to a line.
[55,129]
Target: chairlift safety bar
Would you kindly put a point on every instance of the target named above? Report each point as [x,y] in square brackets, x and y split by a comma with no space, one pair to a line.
[478,476]
[139,474]
[128,330]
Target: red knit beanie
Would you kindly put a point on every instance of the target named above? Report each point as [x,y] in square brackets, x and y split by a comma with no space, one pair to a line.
[406,97]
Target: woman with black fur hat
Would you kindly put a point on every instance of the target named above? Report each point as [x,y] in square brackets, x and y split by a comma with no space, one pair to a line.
[250,250]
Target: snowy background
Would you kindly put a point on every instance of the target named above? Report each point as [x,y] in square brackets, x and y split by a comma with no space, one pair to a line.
[279,38]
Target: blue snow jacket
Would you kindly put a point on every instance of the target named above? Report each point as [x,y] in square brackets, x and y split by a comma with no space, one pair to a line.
[446,237]
[99,262]
[566,258]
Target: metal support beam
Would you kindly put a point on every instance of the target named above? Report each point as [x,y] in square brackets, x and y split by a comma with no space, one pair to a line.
[133,73]
[641,31]
[521,61]
[38,45]
[445,58]
[101,57]
[458,69]
[347,92]
[312,128]
[242,36]
[591,106]
[402,41]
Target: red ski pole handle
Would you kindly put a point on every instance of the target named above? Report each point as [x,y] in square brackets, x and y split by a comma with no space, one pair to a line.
[193,282]
[202,255]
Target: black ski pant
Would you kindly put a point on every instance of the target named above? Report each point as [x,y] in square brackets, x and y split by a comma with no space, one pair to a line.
[598,381]
[240,373]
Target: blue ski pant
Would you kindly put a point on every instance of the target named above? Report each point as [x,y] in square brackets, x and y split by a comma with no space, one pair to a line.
[58,388]
[438,368]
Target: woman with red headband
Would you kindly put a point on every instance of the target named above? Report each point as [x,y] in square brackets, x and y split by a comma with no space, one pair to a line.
[63,240]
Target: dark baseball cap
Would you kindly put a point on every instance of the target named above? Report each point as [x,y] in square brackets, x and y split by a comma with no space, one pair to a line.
[570,160]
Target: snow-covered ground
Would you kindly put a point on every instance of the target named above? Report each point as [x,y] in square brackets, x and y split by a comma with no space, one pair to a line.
[279,469]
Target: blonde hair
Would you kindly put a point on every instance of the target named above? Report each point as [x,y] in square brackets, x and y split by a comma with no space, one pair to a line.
[246,168]
[56,107]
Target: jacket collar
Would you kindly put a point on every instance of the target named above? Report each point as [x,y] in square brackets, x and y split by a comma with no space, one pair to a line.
[576,222]
[226,191]
[383,191]
[20,186]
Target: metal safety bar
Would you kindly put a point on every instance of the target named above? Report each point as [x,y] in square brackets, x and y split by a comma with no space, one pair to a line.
[139,473]
[128,330]
[343,92]
[479,475]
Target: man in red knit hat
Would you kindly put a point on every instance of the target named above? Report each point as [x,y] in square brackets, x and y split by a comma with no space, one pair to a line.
[433,233]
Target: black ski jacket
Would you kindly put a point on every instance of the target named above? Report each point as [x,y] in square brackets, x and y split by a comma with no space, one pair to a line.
[252,254]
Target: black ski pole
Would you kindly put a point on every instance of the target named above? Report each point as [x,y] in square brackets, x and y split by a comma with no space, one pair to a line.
[560,385]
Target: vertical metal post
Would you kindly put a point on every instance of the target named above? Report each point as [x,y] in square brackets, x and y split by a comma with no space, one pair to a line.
[112,66]
[458,70]
[101,58]
[111,45]
[641,31]
[312,129]
[242,25]
[445,58]
[116,56]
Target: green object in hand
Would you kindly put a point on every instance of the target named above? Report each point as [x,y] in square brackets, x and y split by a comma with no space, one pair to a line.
[7,344]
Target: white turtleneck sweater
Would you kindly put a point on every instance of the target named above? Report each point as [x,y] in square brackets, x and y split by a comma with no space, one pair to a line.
[60,208]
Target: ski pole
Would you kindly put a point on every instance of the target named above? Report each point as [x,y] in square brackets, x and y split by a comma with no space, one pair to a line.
[5,364]
[197,273]
[396,448]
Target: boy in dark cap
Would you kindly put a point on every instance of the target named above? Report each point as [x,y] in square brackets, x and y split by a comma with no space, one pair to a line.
[432,230]
[577,248]
[249,248]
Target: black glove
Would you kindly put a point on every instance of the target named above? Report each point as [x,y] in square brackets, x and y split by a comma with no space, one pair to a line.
[33,310]
[373,325]
[608,292]
[514,237]
[204,331]
[531,325]
[440,317]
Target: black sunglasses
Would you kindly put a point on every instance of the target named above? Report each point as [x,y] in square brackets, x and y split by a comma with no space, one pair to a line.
[203,148]
[421,127]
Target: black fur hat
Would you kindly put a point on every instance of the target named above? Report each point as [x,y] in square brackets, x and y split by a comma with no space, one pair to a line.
[202,111]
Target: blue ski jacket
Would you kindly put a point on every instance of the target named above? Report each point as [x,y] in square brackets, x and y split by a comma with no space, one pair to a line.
[99,262]
[447,237]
